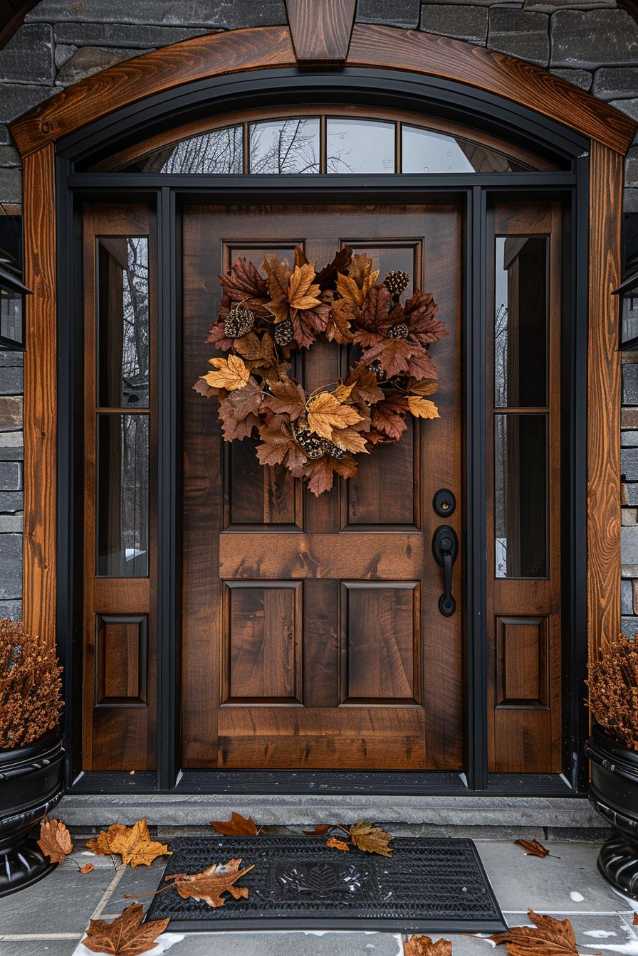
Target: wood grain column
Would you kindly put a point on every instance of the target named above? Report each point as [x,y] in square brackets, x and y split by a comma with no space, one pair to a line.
[603,398]
[40,394]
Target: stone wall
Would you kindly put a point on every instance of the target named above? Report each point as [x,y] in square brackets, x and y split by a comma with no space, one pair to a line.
[591,43]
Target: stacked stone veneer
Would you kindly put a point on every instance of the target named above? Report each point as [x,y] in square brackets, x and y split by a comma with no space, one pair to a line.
[591,43]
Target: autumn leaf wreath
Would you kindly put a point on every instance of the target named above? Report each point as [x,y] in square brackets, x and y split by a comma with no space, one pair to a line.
[267,316]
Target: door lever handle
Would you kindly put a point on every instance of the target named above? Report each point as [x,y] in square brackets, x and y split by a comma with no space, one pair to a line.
[445,548]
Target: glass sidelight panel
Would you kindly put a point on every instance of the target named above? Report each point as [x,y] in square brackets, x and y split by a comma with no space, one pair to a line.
[122,495]
[360,146]
[520,322]
[520,495]
[284,146]
[124,348]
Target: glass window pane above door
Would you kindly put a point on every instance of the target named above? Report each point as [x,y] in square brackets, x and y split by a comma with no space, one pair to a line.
[360,146]
[520,322]
[217,152]
[124,348]
[122,496]
[285,146]
[427,151]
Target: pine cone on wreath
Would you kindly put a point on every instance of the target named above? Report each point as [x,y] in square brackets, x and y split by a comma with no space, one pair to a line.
[396,282]
[311,444]
[333,450]
[239,321]
[399,331]
[284,333]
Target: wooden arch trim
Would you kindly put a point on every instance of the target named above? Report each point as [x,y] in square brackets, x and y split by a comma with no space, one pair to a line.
[370,46]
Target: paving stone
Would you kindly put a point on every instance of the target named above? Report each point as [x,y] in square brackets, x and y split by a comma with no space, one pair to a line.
[199,13]
[62,902]
[5,135]
[10,476]
[630,200]
[629,106]
[10,580]
[629,545]
[631,167]
[519,33]
[626,597]
[629,626]
[309,943]
[136,36]
[9,156]
[40,947]
[589,38]
[467,23]
[11,609]
[577,834]
[17,98]
[400,13]
[612,83]
[10,183]
[581,78]
[89,60]
[10,412]
[630,384]
[139,882]
[28,54]
[633,609]
[551,6]
[523,882]
[11,381]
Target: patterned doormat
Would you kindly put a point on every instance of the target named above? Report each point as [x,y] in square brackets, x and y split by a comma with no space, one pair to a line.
[427,885]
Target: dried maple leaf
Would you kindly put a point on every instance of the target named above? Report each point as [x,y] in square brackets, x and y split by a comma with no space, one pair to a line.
[212,883]
[320,475]
[374,314]
[308,324]
[101,844]
[287,398]
[243,281]
[393,354]
[371,839]
[342,313]
[326,413]
[126,935]
[548,937]
[87,868]
[350,440]
[533,848]
[361,268]
[258,350]
[424,388]
[134,844]
[231,373]
[55,840]
[202,387]
[327,277]
[334,844]
[388,417]
[278,275]
[366,386]
[348,289]
[424,946]
[236,826]
[421,366]
[300,256]
[422,407]
[277,443]
[302,290]
[321,829]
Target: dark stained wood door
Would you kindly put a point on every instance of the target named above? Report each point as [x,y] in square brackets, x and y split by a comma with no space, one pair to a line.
[312,636]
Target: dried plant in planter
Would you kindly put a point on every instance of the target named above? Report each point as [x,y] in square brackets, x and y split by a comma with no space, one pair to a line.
[613,690]
[30,686]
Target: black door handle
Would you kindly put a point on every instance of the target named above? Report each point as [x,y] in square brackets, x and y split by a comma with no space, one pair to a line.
[445,548]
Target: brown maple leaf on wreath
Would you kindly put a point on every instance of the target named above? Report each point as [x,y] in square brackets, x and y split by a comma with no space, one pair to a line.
[267,316]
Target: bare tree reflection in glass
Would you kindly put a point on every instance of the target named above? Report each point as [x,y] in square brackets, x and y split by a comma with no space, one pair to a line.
[281,147]
[216,152]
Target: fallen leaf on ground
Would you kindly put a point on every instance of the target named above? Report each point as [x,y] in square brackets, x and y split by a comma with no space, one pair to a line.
[212,883]
[424,946]
[548,937]
[236,826]
[371,839]
[321,829]
[133,844]
[87,868]
[55,840]
[635,919]
[533,848]
[126,935]
[334,844]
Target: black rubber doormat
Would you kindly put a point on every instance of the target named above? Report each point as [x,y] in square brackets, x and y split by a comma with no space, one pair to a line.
[427,885]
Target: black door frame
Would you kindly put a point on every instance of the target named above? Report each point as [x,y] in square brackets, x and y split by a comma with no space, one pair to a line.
[427,95]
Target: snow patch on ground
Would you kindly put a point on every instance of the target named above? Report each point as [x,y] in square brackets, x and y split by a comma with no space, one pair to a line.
[598,933]
[576,897]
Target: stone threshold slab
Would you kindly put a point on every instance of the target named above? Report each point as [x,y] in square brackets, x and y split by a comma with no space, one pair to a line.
[83,810]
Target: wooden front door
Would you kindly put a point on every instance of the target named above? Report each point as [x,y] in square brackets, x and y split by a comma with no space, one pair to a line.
[312,636]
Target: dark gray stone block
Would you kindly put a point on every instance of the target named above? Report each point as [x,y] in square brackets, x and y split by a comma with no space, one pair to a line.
[551,6]
[28,55]
[630,493]
[89,60]
[5,135]
[11,359]
[11,380]
[17,98]
[11,609]
[10,413]
[10,567]
[10,502]
[9,156]
[401,13]
[134,36]
[10,476]
[12,524]
[589,38]
[626,597]
[616,82]
[631,167]
[11,446]
[630,200]
[520,33]
[629,626]
[580,78]
[630,107]
[629,468]
[63,52]
[10,183]
[630,384]
[197,13]
[456,20]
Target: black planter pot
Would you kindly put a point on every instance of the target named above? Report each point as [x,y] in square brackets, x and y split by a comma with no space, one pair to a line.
[614,794]
[31,783]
